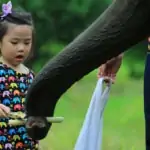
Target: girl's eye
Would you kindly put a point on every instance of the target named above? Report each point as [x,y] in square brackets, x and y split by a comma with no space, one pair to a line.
[27,43]
[14,43]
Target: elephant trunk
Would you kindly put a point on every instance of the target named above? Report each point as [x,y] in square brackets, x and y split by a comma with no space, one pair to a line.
[122,25]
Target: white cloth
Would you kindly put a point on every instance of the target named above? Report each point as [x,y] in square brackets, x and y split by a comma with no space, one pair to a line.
[90,137]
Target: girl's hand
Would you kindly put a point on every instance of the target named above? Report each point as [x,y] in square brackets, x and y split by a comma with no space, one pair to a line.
[110,68]
[4,111]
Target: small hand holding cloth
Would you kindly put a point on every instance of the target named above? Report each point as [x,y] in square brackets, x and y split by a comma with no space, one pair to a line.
[90,137]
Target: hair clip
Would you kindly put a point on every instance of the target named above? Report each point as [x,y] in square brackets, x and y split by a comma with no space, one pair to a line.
[6,9]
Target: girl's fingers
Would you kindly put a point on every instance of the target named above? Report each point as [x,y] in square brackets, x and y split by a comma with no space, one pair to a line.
[3,114]
[5,108]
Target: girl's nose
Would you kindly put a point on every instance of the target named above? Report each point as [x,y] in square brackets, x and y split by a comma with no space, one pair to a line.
[20,48]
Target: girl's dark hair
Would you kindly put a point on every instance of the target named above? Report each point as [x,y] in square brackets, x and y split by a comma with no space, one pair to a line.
[18,17]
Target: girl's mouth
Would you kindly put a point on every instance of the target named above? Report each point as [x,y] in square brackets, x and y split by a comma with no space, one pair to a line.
[19,57]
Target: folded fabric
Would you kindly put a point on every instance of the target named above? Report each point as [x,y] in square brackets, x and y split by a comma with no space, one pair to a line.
[90,137]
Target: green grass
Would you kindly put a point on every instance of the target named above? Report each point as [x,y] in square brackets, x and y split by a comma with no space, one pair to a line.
[123,117]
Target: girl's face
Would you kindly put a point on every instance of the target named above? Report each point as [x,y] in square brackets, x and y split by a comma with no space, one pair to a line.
[16,44]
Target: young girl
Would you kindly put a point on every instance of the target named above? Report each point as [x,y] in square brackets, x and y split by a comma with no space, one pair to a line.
[16,36]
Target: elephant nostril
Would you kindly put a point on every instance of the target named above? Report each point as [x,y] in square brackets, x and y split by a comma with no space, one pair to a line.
[38,124]
[35,122]
[37,127]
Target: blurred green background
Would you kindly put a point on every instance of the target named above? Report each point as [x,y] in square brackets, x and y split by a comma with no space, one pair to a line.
[58,22]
